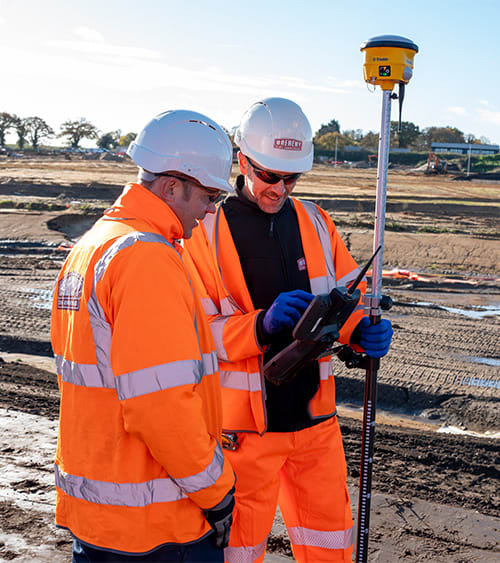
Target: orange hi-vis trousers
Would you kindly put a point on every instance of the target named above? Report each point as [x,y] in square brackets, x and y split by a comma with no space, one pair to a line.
[305,472]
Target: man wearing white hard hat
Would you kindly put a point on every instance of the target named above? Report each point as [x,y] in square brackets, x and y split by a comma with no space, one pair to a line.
[140,472]
[262,258]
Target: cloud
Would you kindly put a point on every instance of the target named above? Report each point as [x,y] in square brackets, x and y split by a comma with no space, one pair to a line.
[456,110]
[88,34]
[138,69]
[484,102]
[489,116]
[116,52]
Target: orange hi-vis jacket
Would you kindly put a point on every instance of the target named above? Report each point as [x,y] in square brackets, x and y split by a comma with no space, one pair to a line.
[232,315]
[138,455]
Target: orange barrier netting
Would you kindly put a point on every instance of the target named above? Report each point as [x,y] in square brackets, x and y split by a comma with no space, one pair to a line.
[65,246]
[397,273]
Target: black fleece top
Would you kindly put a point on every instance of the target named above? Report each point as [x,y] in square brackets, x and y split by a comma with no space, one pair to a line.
[272,259]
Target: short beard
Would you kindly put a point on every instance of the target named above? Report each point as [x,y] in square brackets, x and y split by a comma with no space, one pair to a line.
[187,190]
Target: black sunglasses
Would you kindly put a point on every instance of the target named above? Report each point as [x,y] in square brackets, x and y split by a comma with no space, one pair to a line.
[271,177]
[213,193]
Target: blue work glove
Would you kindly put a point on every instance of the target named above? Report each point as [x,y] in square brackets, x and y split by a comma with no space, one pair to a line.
[375,339]
[286,310]
[220,518]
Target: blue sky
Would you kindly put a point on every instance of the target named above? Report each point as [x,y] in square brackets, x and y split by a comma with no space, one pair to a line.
[119,63]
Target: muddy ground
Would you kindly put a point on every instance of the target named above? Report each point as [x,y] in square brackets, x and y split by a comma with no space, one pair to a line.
[436,494]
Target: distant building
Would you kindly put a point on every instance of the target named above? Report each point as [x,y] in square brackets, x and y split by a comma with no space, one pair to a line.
[463,148]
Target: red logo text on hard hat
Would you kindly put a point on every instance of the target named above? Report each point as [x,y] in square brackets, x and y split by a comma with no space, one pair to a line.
[288,144]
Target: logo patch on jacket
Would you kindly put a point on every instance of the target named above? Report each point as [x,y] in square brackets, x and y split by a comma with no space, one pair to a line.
[301,263]
[288,144]
[69,291]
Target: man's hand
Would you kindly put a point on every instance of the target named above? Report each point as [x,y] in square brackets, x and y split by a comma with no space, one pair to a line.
[375,339]
[220,517]
[286,310]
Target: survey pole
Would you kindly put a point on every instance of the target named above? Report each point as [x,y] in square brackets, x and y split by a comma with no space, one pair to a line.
[388,61]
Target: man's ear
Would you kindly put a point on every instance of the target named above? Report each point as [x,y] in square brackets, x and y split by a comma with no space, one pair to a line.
[169,187]
[242,161]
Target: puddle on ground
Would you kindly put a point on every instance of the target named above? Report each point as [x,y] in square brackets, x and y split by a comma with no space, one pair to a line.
[42,298]
[468,304]
[477,312]
[455,430]
[487,361]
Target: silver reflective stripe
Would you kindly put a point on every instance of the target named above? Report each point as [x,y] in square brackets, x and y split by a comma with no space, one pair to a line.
[327,540]
[228,306]
[326,242]
[118,494]
[244,554]
[101,334]
[157,378]
[212,225]
[209,223]
[209,306]
[205,478]
[319,285]
[210,363]
[217,328]
[325,370]
[101,330]
[124,242]
[350,277]
[240,380]
[86,375]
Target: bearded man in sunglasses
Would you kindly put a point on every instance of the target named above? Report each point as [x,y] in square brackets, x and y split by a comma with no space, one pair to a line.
[262,257]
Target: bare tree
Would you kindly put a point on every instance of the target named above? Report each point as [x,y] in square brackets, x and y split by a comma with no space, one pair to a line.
[6,123]
[78,130]
[38,129]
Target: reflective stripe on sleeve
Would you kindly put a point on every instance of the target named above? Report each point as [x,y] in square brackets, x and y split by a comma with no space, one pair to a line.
[325,370]
[140,382]
[244,554]
[87,375]
[158,378]
[205,478]
[341,539]
[208,306]
[240,380]
[118,494]
[228,306]
[217,328]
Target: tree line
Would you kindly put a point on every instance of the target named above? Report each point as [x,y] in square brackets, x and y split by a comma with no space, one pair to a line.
[329,136]
[32,130]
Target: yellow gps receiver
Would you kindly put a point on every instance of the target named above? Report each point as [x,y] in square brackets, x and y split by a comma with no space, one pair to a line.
[388,60]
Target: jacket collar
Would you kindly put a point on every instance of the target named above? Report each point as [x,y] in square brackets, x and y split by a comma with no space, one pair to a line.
[139,203]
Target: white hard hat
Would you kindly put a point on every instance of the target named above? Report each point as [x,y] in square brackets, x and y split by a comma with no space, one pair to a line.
[277,135]
[187,142]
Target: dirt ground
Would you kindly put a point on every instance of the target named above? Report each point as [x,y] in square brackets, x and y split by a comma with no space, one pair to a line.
[436,470]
